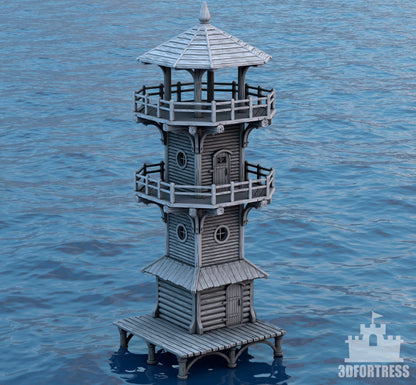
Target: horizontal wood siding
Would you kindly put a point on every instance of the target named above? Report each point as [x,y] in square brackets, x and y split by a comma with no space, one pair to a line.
[247,302]
[228,140]
[212,307]
[183,176]
[182,251]
[214,252]
[175,304]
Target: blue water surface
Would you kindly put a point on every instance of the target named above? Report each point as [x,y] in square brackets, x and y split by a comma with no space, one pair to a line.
[338,239]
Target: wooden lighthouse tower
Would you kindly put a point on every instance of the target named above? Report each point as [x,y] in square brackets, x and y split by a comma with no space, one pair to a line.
[205,189]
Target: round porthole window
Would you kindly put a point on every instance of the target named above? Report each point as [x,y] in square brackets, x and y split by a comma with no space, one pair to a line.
[221,234]
[181,159]
[181,233]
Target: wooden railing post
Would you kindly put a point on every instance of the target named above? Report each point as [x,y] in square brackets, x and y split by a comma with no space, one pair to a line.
[158,189]
[250,107]
[158,107]
[213,195]
[232,109]
[234,89]
[145,104]
[268,105]
[232,191]
[147,185]
[213,111]
[245,170]
[172,192]
[145,169]
[171,110]
[250,189]
[258,171]
[259,94]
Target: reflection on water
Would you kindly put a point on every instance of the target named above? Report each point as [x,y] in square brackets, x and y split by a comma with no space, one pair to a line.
[208,371]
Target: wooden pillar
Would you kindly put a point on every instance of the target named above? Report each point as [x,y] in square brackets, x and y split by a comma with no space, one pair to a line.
[242,82]
[167,82]
[197,75]
[183,371]
[151,360]
[233,360]
[210,86]
[123,338]
[278,345]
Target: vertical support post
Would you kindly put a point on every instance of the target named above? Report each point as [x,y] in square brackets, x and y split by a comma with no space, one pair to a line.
[158,107]
[179,91]
[213,195]
[197,75]
[234,89]
[259,94]
[167,82]
[171,110]
[123,339]
[172,192]
[232,109]
[250,189]
[146,186]
[278,345]
[210,86]
[151,360]
[258,171]
[162,170]
[183,371]
[146,101]
[250,107]
[242,82]
[161,90]
[268,105]
[245,170]
[231,356]
[213,111]
[158,189]
[232,191]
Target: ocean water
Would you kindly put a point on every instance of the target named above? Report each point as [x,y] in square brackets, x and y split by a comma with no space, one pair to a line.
[338,240]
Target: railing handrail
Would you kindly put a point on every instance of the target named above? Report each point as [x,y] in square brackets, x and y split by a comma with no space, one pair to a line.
[211,192]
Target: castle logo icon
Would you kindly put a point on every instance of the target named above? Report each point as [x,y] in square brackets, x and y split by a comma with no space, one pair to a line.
[373,345]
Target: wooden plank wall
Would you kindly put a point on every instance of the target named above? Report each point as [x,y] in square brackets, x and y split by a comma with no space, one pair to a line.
[180,142]
[228,140]
[175,304]
[213,306]
[214,252]
[182,251]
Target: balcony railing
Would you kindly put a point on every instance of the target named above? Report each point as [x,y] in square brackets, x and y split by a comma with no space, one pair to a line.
[189,196]
[225,109]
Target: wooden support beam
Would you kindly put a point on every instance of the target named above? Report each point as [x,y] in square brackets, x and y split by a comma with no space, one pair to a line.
[210,86]
[167,82]
[242,82]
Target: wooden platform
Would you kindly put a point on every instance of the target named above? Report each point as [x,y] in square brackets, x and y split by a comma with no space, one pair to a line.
[223,342]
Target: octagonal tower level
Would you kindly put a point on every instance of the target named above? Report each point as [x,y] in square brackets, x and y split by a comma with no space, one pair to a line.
[205,189]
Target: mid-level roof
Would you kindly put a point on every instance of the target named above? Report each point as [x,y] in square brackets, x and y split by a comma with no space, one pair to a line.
[204,47]
[202,278]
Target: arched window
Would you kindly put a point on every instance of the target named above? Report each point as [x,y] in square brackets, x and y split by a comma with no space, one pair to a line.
[373,340]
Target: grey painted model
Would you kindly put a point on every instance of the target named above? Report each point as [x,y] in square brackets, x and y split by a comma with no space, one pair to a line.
[205,189]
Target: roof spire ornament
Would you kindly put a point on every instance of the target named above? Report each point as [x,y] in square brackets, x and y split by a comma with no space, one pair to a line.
[204,16]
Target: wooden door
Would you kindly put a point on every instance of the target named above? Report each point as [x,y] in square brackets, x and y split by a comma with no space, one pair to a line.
[234,305]
[221,167]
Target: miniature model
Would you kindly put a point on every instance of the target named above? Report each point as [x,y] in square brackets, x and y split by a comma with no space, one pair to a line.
[205,190]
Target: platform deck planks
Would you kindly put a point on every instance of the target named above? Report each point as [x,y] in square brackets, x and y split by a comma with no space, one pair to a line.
[179,342]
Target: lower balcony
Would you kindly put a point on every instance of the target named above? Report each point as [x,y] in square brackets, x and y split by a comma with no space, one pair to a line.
[153,188]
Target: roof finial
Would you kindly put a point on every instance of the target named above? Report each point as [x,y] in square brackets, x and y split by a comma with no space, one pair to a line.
[204,16]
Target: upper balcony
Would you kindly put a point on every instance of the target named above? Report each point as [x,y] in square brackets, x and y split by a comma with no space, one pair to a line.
[182,110]
[155,189]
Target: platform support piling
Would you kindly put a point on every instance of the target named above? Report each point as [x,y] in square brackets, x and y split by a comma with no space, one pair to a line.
[151,360]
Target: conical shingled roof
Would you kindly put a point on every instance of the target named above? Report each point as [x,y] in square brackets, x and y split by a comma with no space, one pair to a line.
[204,47]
